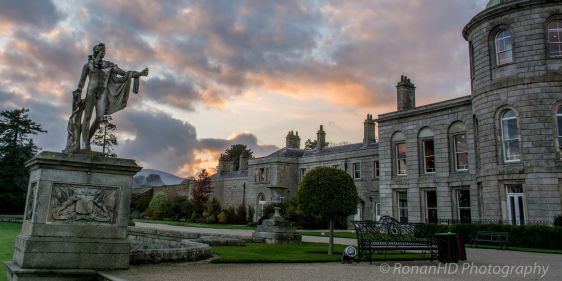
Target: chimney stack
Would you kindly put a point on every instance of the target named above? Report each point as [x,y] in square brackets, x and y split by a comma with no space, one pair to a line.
[320,138]
[406,94]
[293,140]
[243,162]
[369,131]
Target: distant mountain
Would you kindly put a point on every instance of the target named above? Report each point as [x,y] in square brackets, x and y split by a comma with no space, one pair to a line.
[152,177]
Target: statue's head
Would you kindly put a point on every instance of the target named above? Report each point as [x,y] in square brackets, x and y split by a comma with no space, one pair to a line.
[99,48]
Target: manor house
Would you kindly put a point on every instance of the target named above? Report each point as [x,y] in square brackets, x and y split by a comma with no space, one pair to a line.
[494,155]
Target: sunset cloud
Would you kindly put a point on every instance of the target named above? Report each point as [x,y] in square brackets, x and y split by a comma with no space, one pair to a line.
[253,68]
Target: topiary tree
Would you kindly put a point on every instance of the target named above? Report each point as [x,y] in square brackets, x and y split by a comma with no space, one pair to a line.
[329,193]
[558,220]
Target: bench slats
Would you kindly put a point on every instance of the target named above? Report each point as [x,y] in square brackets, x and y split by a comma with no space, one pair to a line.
[390,235]
[491,237]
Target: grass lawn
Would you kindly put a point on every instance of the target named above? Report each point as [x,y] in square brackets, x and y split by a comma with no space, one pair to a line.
[202,225]
[8,233]
[337,234]
[303,253]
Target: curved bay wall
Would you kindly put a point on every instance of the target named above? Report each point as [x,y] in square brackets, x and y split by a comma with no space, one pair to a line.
[531,86]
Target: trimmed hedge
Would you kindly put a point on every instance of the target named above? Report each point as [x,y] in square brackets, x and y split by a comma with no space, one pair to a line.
[527,236]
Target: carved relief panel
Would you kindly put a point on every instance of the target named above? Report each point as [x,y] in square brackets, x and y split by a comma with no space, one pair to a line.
[83,204]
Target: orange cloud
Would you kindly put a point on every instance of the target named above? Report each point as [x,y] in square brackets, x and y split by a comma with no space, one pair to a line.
[350,93]
[204,159]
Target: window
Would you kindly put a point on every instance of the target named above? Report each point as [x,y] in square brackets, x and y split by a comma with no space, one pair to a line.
[261,175]
[431,206]
[357,170]
[428,156]
[515,204]
[336,166]
[399,153]
[555,38]
[377,211]
[480,199]
[303,172]
[504,48]
[559,126]
[376,169]
[427,151]
[463,205]
[471,54]
[476,142]
[510,136]
[402,198]
[461,152]
[401,164]
[459,148]
[359,213]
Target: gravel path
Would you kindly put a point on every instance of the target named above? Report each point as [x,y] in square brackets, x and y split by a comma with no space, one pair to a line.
[481,265]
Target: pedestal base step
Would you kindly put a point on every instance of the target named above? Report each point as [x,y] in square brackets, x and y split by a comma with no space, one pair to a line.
[16,273]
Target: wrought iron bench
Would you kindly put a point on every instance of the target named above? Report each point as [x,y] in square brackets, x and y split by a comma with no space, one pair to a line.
[491,237]
[389,235]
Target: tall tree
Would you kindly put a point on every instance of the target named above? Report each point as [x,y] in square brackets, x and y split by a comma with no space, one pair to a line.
[202,187]
[16,147]
[105,136]
[311,144]
[329,193]
[233,154]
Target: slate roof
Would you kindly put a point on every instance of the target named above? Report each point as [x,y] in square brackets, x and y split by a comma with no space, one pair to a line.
[231,174]
[287,152]
[336,149]
[292,152]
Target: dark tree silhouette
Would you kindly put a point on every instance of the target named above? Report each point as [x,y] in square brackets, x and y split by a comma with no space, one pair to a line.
[105,136]
[16,147]
[202,187]
[233,154]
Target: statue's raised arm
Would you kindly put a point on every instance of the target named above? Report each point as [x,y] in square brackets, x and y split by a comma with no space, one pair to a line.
[107,92]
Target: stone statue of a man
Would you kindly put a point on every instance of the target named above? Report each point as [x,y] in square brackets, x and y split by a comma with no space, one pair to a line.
[107,92]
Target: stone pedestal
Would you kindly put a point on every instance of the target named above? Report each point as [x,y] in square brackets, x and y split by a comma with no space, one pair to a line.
[76,215]
[277,230]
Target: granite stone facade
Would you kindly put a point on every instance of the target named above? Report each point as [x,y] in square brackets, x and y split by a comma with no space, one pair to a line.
[529,86]
[276,177]
[493,155]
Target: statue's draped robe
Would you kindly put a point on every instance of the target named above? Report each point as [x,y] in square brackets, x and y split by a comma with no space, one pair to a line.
[117,91]
[74,126]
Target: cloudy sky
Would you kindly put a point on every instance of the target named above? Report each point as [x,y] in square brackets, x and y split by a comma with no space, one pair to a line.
[227,72]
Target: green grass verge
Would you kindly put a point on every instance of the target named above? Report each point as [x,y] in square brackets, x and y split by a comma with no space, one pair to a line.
[201,225]
[337,234]
[277,253]
[8,233]
[303,253]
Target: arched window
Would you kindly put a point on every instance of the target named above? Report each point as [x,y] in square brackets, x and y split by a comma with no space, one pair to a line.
[457,133]
[400,153]
[510,136]
[555,38]
[559,126]
[428,150]
[504,47]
